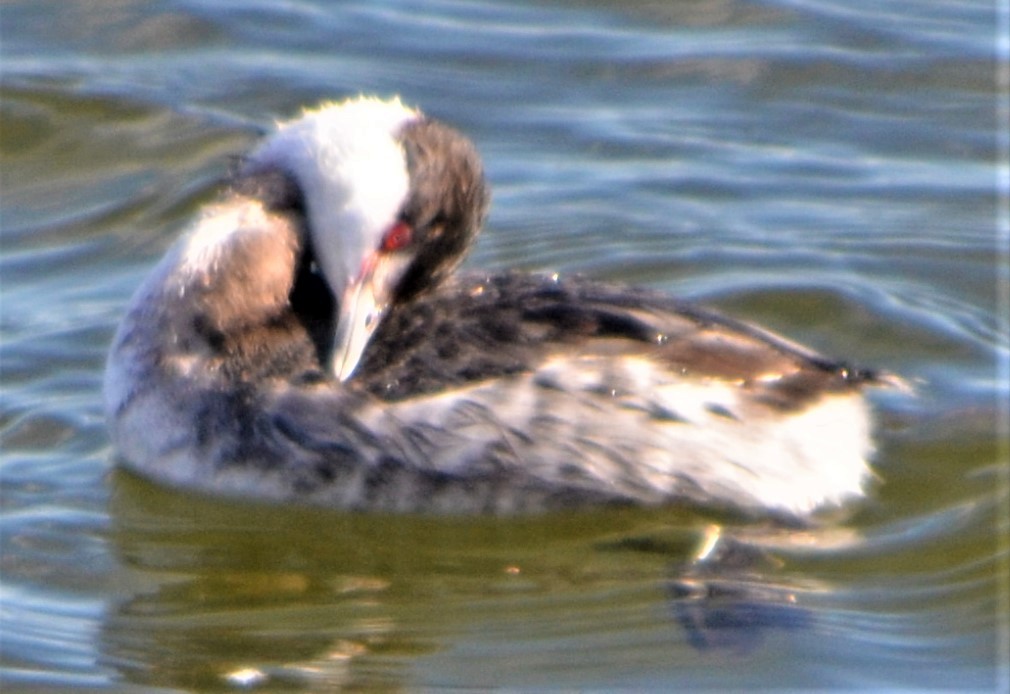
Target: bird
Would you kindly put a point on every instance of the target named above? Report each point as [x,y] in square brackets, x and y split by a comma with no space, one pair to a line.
[309,340]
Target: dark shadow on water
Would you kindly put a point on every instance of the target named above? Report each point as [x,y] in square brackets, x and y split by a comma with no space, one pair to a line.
[724,601]
[725,589]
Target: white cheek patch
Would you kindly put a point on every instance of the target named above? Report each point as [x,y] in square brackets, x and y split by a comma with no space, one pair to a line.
[352,172]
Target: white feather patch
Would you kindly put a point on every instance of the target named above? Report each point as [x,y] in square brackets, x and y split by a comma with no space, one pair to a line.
[213,234]
[629,421]
[352,172]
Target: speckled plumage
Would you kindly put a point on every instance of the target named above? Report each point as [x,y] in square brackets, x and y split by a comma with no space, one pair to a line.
[476,393]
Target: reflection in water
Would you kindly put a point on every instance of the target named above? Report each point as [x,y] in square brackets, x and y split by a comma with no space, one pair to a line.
[243,629]
[247,595]
[725,600]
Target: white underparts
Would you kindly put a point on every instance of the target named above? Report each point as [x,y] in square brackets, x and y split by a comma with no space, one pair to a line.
[629,421]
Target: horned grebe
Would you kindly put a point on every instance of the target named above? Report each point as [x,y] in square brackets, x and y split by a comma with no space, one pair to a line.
[306,341]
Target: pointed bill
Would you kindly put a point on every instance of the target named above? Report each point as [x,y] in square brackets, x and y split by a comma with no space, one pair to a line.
[362,306]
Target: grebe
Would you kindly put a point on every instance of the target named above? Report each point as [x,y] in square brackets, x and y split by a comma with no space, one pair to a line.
[307,341]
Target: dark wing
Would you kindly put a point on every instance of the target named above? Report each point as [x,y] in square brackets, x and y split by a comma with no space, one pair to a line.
[482,327]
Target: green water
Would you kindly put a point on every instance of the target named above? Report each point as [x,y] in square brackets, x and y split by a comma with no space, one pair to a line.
[825,169]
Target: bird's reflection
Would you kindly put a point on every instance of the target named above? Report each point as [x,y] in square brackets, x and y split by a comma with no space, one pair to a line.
[726,597]
[220,595]
[286,603]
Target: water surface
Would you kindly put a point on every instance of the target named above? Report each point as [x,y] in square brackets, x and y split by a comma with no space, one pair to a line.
[825,168]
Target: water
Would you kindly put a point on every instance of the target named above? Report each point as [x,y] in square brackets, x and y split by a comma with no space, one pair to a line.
[826,168]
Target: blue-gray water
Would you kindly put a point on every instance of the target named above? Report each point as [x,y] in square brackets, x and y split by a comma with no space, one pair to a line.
[827,168]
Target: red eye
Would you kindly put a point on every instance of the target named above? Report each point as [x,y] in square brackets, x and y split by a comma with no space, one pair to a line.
[398,236]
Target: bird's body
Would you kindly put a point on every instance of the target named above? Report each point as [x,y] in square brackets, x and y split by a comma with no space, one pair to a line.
[246,367]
